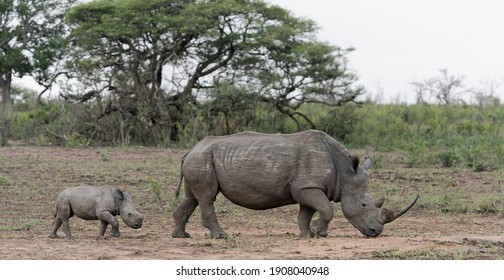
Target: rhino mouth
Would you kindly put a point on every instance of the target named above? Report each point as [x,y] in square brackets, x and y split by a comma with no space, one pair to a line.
[135,225]
[371,232]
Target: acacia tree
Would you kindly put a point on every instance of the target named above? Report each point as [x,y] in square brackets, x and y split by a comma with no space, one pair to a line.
[152,59]
[445,88]
[32,39]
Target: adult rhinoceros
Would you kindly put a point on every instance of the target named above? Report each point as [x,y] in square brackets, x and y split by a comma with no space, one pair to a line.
[263,171]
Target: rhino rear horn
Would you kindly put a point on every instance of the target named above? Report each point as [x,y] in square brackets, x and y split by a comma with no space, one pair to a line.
[367,163]
[379,202]
[389,216]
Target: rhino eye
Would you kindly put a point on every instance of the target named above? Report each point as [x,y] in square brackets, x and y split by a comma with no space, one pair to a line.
[129,214]
[364,204]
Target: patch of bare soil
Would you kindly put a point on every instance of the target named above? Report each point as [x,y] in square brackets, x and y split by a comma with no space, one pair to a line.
[408,238]
[33,177]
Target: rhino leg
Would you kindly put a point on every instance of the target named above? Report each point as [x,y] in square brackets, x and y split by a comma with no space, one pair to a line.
[66,229]
[63,214]
[182,215]
[317,199]
[304,219]
[204,187]
[55,226]
[103,228]
[107,218]
[209,219]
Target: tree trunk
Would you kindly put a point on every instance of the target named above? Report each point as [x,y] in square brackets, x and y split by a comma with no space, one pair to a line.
[5,85]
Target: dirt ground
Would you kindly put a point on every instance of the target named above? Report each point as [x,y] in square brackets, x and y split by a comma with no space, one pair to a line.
[32,177]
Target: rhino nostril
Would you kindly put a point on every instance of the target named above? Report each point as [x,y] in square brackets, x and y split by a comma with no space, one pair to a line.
[372,232]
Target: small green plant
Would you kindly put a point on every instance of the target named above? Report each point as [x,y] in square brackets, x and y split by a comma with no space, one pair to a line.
[423,254]
[447,158]
[231,242]
[75,140]
[104,156]
[450,203]
[488,204]
[479,166]
[25,226]
[157,193]
[19,227]
[4,181]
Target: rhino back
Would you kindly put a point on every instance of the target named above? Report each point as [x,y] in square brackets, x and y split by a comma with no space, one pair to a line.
[87,201]
[258,170]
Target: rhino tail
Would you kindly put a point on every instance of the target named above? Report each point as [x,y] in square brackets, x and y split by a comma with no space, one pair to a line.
[177,193]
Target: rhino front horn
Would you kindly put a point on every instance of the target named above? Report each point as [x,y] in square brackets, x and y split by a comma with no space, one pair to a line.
[389,216]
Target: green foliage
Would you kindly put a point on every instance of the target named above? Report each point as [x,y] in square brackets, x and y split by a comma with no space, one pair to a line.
[224,57]
[156,193]
[4,181]
[426,254]
[339,121]
[104,155]
[32,38]
[491,203]
[448,135]
[18,226]
[5,128]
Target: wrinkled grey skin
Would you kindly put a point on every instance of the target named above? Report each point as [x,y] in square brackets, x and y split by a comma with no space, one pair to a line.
[95,203]
[263,171]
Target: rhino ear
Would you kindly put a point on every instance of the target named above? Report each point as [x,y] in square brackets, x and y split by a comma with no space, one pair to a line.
[119,194]
[355,163]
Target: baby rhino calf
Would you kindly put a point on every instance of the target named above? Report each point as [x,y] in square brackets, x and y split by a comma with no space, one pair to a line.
[95,203]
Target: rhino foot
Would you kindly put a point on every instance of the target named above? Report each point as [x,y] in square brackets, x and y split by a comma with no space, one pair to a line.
[219,235]
[53,235]
[306,234]
[181,234]
[319,227]
[322,234]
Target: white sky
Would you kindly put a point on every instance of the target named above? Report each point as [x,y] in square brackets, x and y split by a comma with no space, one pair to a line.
[398,41]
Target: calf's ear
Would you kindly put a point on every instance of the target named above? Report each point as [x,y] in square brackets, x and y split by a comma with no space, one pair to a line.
[119,194]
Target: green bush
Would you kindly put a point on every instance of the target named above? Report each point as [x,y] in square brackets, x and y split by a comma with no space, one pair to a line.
[454,136]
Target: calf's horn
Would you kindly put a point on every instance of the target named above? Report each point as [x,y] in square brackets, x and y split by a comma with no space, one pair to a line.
[389,216]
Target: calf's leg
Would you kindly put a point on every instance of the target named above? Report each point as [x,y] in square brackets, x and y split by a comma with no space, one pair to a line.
[66,228]
[55,226]
[103,228]
[63,214]
[107,218]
